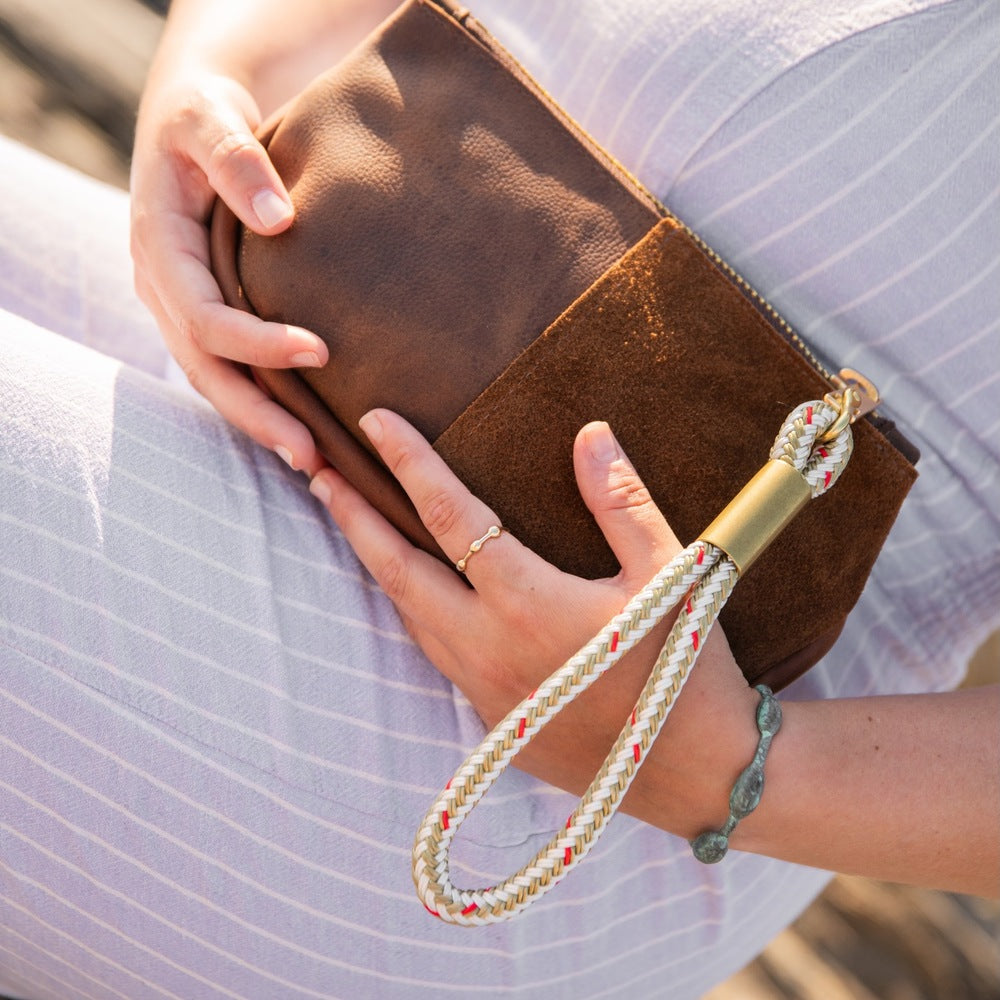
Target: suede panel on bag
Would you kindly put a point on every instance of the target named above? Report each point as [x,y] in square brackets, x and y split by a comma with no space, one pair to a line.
[695,384]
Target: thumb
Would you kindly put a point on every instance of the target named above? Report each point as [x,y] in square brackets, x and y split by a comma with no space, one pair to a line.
[637,532]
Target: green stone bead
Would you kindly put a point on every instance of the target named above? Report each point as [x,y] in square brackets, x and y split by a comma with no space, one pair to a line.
[710,848]
[768,712]
[746,792]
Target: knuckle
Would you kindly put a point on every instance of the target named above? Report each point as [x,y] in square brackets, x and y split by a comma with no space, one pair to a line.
[196,326]
[189,328]
[441,513]
[193,374]
[626,491]
[188,111]
[393,575]
[231,157]
[399,459]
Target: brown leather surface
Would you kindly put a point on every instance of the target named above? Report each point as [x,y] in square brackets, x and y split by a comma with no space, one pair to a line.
[467,260]
[443,220]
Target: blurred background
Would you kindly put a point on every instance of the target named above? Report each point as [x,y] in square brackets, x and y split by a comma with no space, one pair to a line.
[71,72]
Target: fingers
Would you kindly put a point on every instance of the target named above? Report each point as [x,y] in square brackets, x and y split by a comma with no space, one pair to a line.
[430,596]
[216,134]
[191,144]
[637,532]
[176,263]
[451,513]
[240,400]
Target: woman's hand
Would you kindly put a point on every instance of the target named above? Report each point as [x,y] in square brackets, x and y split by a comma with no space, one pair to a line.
[195,139]
[522,618]
[878,786]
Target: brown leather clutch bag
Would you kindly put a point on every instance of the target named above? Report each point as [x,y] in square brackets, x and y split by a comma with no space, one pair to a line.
[476,263]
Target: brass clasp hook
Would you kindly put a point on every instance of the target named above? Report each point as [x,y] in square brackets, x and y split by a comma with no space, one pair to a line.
[855,396]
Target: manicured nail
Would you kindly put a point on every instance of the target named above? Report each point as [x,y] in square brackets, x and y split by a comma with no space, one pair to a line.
[320,489]
[602,443]
[285,455]
[306,359]
[270,208]
[372,427]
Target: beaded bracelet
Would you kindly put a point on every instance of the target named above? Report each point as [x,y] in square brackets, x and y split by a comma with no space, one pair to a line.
[711,847]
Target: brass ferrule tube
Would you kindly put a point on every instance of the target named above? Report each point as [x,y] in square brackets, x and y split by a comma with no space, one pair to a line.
[758,513]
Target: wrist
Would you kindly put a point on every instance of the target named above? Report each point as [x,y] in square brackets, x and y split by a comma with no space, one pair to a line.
[273,50]
[705,746]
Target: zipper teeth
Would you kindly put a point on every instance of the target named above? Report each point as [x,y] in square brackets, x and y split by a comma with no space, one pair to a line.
[784,326]
[479,32]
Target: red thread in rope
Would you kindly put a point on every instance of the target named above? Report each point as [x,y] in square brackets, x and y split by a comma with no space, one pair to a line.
[614,642]
[635,752]
[568,857]
[520,728]
[694,640]
[471,908]
[444,818]
[433,913]
[701,556]
[809,414]
[827,478]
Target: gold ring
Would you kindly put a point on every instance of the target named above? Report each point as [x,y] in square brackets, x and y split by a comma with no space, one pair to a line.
[493,532]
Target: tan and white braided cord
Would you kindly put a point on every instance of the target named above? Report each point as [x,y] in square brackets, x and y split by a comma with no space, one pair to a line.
[702,577]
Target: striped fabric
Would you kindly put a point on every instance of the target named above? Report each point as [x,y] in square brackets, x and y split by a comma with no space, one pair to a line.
[215,737]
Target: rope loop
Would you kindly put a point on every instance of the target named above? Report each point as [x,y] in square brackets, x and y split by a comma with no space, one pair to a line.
[799,443]
[700,580]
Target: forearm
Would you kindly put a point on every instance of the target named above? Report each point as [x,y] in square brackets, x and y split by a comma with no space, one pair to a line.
[905,789]
[272,48]
[900,788]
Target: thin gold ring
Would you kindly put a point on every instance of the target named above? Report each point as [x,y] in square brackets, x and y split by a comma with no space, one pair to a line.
[493,532]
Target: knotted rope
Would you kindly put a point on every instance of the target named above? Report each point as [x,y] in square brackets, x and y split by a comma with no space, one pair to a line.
[700,578]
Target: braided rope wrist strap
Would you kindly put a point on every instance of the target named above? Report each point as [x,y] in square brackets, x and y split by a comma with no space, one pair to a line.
[811,450]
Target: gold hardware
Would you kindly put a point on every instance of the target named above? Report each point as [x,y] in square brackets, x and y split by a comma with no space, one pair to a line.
[848,401]
[758,513]
[855,397]
[865,386]
[493,532]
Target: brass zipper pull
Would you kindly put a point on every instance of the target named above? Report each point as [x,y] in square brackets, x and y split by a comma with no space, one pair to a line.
[868,393]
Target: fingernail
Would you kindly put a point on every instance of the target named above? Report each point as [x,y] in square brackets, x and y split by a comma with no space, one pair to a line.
[602,443]
[320,489]
[372,427]
[285,455]
[270,208]
[306,359]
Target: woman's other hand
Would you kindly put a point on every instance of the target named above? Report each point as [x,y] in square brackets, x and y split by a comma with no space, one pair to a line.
[195,140]
[219,64]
